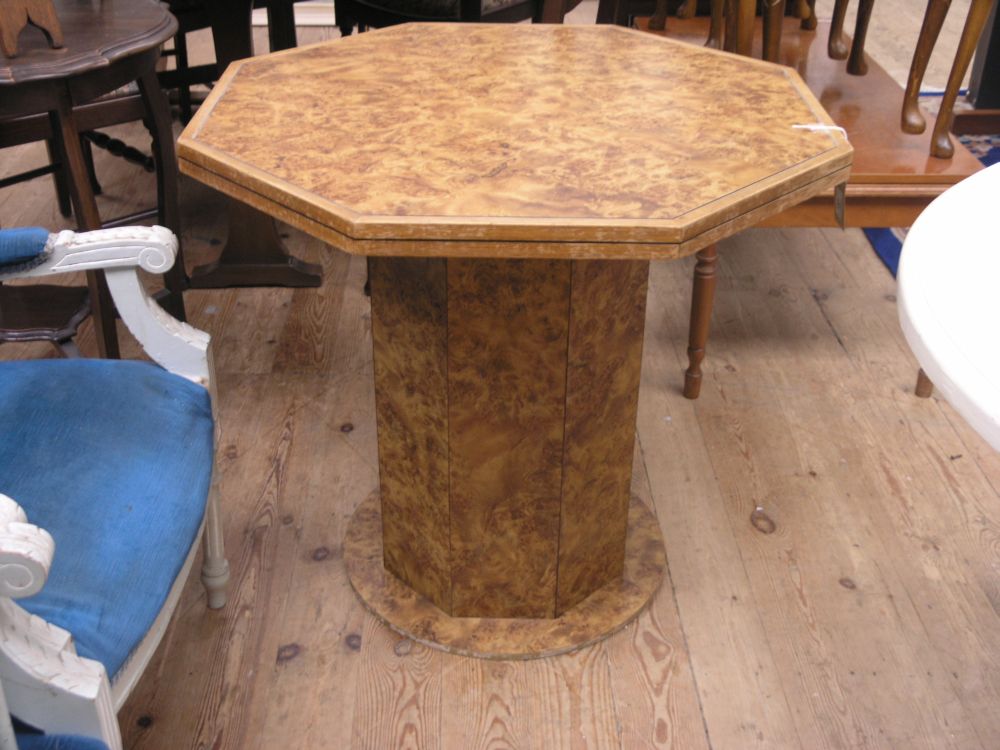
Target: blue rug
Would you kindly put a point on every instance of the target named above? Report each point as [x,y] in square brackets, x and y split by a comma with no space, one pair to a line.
[888,243]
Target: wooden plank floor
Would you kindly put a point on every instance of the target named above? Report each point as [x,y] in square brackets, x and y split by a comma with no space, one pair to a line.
[834,542]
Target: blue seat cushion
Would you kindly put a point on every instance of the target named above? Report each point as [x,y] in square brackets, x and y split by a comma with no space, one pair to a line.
[20,247]
[58,742]
[114,459]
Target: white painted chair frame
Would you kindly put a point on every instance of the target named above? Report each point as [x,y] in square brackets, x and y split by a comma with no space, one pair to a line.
[42,679]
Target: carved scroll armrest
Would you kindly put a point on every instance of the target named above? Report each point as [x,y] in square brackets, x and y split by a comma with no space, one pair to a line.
[119,252]
[150,248]
[25,552]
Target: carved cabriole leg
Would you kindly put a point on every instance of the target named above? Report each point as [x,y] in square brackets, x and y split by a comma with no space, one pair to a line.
[941,145]
[687,9]
[702,299]
[658,21]
[911,118]
[836,46]
[857,65]
[807,12]
[774,14]
[924,387]
[717,25]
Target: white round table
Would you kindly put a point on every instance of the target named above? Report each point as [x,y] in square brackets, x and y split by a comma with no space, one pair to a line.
[949,298]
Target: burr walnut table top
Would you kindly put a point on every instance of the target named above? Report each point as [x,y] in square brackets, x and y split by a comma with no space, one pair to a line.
[502,140]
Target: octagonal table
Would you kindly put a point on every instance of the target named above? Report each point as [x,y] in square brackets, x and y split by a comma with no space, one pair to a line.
[510,184]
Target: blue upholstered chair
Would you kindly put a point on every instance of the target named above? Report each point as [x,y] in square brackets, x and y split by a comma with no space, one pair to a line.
[105,490]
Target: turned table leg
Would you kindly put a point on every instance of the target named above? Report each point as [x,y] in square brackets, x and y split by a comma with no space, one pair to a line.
[702,299]
[924,387]
[912,120]
[941,145]
[857,65]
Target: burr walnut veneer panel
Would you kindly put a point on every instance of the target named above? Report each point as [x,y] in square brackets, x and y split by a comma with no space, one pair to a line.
[409,328]
[514,141]
[506,397]
[508,322]
[608,314]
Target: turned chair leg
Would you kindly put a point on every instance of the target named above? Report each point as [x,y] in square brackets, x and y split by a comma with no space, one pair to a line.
[836,46]
[774,14]
[912,119]
[215,567]
[924,387]
[740,16]
[702,299]
[857,65]
[941,145]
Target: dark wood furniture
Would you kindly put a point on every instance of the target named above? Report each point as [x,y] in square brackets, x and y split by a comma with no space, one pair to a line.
[912,120]
[731,26]
[509,255]
[892,179]
[15,15]
[253,254]
[380,13]
[107,46]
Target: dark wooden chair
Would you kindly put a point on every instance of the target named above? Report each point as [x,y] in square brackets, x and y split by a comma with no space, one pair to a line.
[378,13]
[54,95]
[912,120]
[231,40]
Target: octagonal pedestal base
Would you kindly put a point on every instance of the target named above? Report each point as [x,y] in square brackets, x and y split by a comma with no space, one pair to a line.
[602,613]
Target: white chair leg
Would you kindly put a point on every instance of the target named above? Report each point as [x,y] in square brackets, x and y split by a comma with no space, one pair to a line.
[7,739]
[215,568]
